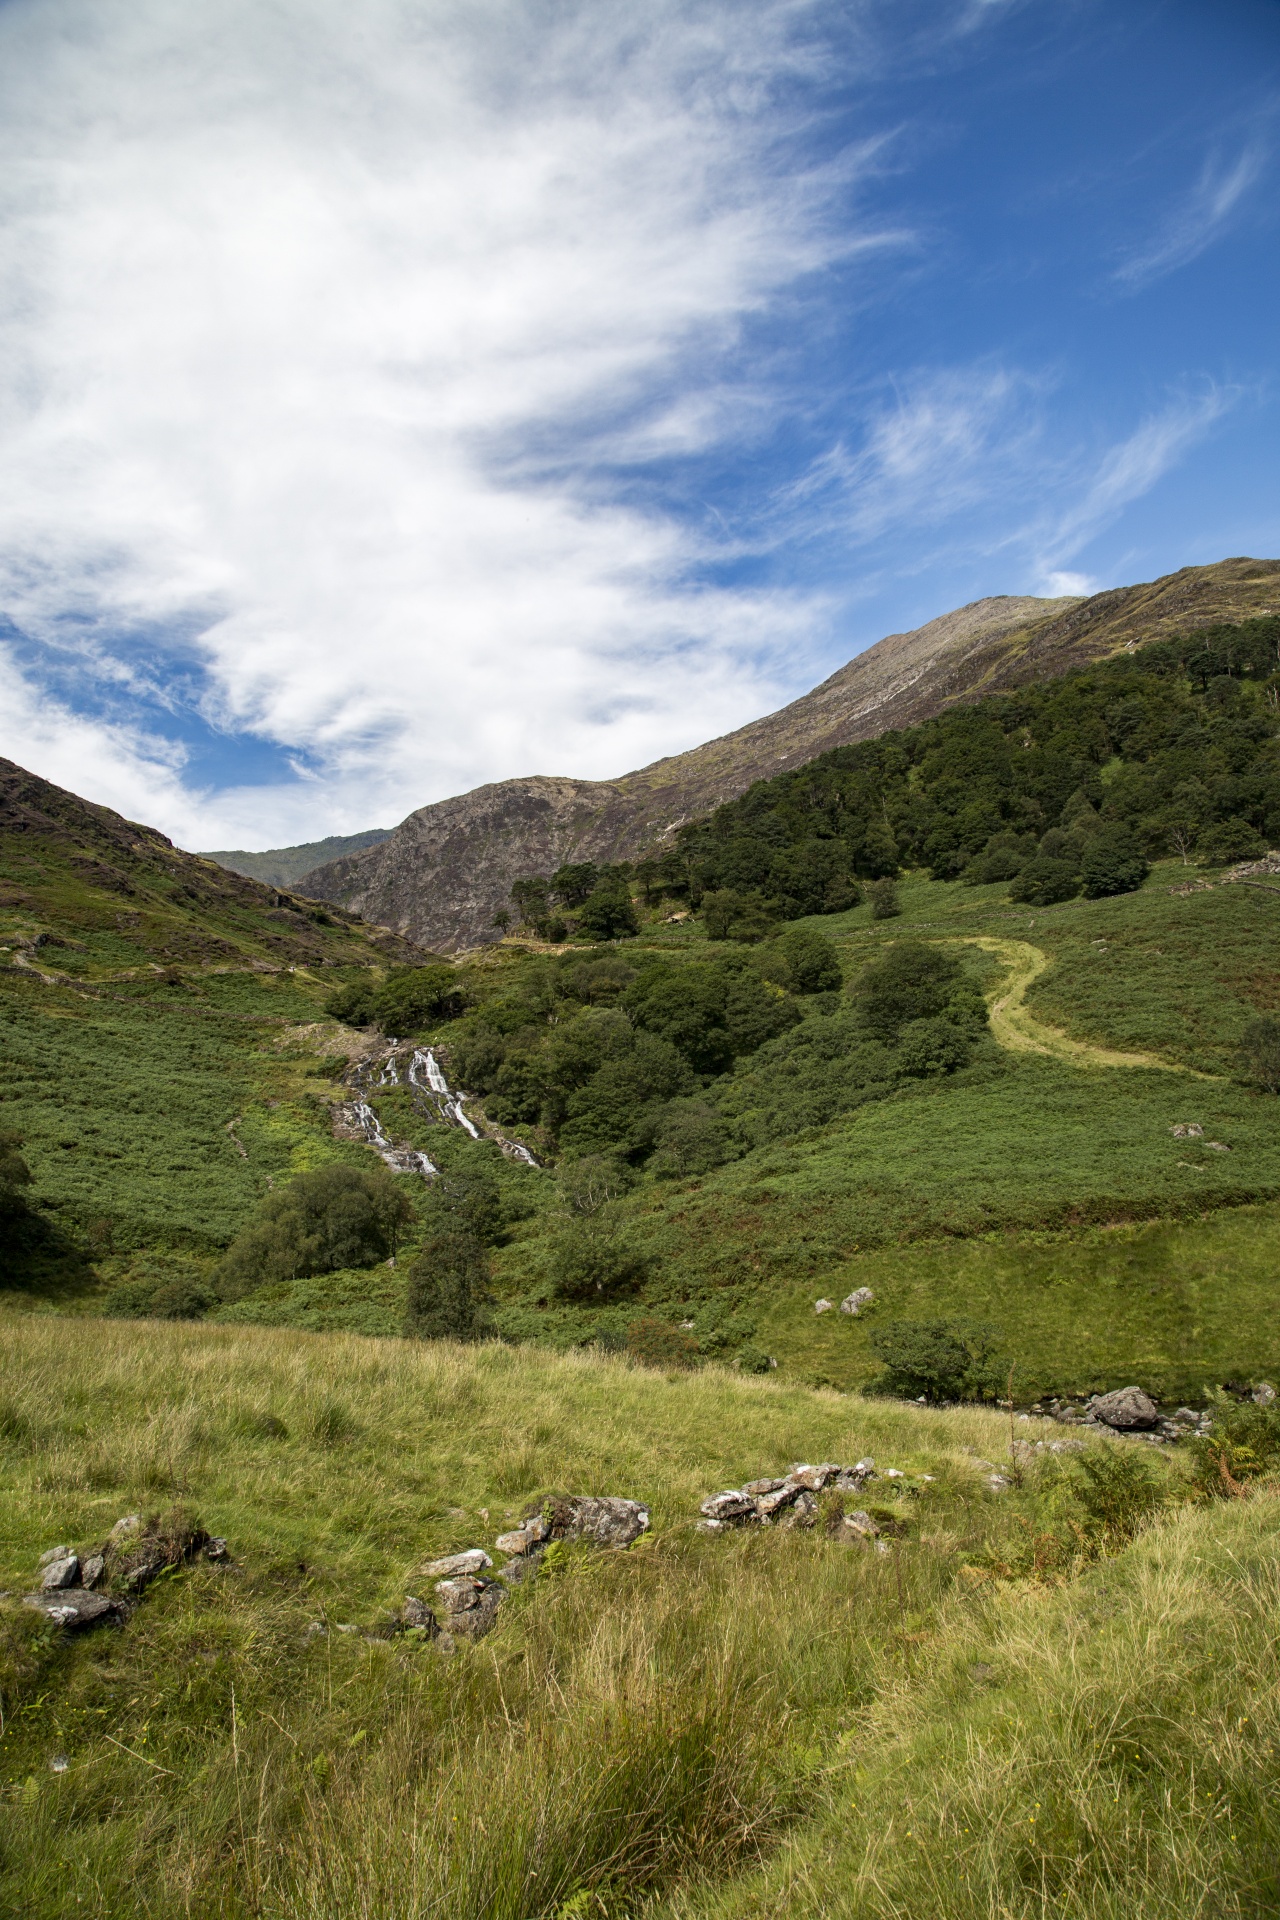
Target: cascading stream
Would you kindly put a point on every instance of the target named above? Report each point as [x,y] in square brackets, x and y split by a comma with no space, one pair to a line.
[425,1077]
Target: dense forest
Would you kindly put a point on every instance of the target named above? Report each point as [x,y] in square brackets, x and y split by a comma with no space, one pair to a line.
[1069,787]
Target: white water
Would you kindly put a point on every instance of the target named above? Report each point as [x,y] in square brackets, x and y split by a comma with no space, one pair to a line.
[426,1078]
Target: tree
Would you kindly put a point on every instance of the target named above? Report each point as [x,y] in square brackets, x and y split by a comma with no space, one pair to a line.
[448,1288]
[938,1360]
[502,920]
[337,1217]
[912,982]
[608,913]
[16,1217]
[1112,862]
[812,960]
[883,895]
[591,1261]
[1260,1052]
[1045,881]
[530,897]
[352,1004]
[1227,841]
[573,884]
[417,997]
[656,1343]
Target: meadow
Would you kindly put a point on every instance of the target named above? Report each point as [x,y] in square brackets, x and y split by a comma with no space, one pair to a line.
[639,1728]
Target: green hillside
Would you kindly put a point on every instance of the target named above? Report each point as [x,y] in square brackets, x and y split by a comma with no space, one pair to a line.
[285,866]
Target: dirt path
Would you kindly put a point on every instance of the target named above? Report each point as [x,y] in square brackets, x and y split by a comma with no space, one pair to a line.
[1017,1028]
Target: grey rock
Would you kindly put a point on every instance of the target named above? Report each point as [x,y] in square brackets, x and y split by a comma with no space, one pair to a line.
[605,1520]
[854,1302]
[823,1306]
[470,1605]
[316,1630]
[416,1614]
[1127,1410]
[93,1569]
[814,1479]
[125,1529]
[1263,1394]
[51,1554]
[61,1572]
[1187,1416]
[860,1525]
[217,1550]
[756,1487]
[998,1482]
[771,1504]
[522,1539]
[1216,1146]
[521,1567]
[803,1511]
[474,1560]
[74,1607]
[731,1505]
[1188,1130]
[712,1526]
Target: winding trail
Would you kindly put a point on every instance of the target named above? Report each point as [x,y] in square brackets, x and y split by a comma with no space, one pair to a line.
[1017,1028]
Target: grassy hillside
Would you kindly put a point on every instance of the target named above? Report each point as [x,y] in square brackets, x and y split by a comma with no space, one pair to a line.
[285,866]
[638,1725]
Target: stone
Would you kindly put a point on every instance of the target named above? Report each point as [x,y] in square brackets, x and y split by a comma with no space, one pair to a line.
[93,1569]
[1216,1146]
[474,1560]
[64,1571]
[520,1567]
[470,1605]
[416,1614]
[998,1482]
[217,1550]
[712,1526]
[823,1306]
[1068,1416]
[605,1520]
[1263,1394]
[1187,1416]
[1127,1410]
[803,1511]
[756,1487]
[524,1538]
[52,1553]
[771,1504]
[73,1607]
[1188,1130]
[729,1506]
[126,1529]
[860,1525]
[814,1479]
[854,1302]
[853,1479]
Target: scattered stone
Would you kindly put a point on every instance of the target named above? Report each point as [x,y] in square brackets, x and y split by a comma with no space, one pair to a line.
[1263,1394]
[803,1511]
[520,1567]
[814,1478]
[854,1302]
[316,1630]
[998,1482]
[93,1569]
[823,1306]
[1216,1146]
[605,1520]
[1188,1130]
[125,1529]
[52,1554]
[474,1560]
[74,1607]
[62,1571]
[861,1525]
[734,1505]
[525,1538]
[1127,1410]
[787,1502]
[754,1487]
[347,1626]
[416,1616]
[469,1604]
[59,1763]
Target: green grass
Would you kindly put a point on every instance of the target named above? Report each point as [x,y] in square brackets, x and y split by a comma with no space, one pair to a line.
[638,1726]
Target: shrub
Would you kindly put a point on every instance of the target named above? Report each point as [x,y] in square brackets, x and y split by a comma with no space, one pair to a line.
[1045,881]
[352,1004]
[753,1359]
[883,895]
[417,997]
[591,1261]
[336,1217]
[1227,841]
[1119,1494]
[812,961]
[1243,1442]
[928,1047]
[1260,1052]
[911,982]
[656,1343]
[448,1288]
[1112,862]
[938,1360]
[590,1183]
[608,913]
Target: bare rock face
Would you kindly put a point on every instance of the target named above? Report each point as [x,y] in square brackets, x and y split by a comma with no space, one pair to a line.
[444,873]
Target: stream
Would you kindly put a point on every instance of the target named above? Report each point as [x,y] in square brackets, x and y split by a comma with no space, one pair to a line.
[431,1095]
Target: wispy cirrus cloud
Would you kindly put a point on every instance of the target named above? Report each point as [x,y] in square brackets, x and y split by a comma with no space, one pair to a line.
[1199,218]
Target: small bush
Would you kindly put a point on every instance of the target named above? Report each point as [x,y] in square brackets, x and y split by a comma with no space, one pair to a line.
[1242,1444]
[418,997]
[1045,881]
[448,1288]
[938,1360]
[1119,1494]
[883,895]
[1227,841]
[1260,1052]
[753,1359]
[592,1261]
[352,1004]
[813,965]
[656,1343]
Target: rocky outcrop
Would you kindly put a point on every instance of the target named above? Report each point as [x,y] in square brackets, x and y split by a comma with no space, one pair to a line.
[444,873]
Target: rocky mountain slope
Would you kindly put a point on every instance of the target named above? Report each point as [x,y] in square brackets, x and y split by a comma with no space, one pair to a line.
[448,868]
[285,866]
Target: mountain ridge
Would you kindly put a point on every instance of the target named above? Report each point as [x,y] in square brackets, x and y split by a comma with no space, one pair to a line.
[446,870]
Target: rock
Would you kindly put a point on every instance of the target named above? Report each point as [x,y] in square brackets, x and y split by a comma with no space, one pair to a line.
[62,1571]
[217,1550]
[854,1479]
[470,1605]
[1187,1416]
[146,1571]
[126,1529]
[93,1569]
[730,1506]
[1216,1146]
[998,1482]
[416,1614]
[815,1478]
[474,1560]
[712,1526]
[803,1511]
[756,1487]
[1128,1409]
[51,1554]
[316,1630]
[1188,1130]
[533,1532]
[854,1302]
[861,1525]
[74,1607]
[605,1520]
[1068,1416]
[894,1473]
[1263,1394]
[823,1306]
[347,1626]
[520,1567]
[769,1505]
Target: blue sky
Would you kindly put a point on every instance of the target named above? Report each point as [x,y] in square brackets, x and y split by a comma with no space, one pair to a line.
[398,398]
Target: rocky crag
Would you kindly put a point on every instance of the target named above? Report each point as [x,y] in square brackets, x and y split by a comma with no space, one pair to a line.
[446,871]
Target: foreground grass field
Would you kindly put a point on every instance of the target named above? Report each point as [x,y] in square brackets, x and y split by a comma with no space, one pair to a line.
[820,1718]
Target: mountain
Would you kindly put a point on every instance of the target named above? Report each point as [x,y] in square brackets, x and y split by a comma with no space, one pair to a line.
[105,893]
[285,866]
[448,868]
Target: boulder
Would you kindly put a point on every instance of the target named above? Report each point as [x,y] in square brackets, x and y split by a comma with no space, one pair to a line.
[416,1615]
[814,1479]
[124,1530]
[854,1302]
[1188,1130]
[1263,1394]
[1127,1410]
[604,1520]
[860,1525]
[470,1605]
[60,1570]
[74,1607]
[823,1306]
[769,1505]
[757,1487]
[730,1506]
[474,1560]
[523,1539]
[93,1570]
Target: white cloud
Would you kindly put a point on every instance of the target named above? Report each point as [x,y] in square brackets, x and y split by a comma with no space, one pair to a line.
[1196,222]
[303,302]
